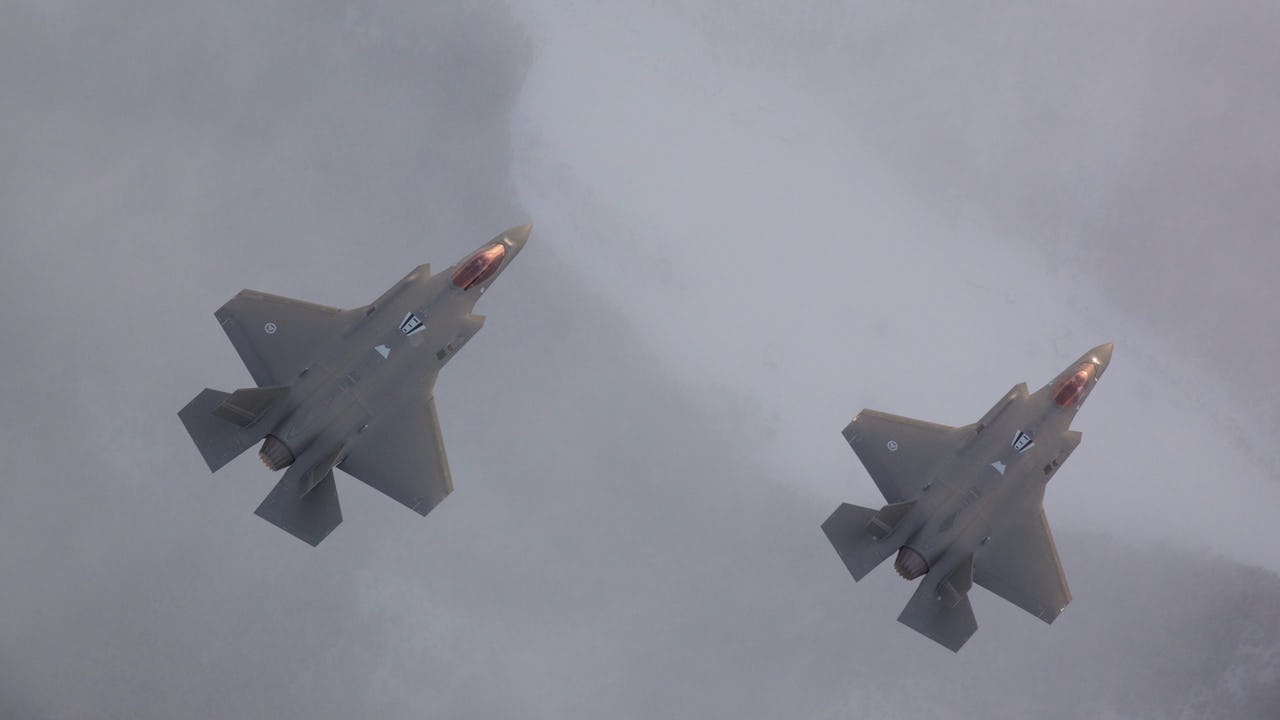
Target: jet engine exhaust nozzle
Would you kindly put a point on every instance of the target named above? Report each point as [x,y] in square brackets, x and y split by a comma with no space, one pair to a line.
[275,454]
[910,564]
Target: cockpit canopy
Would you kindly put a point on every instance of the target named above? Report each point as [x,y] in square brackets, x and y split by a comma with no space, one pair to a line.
[480,266]
[1070,391]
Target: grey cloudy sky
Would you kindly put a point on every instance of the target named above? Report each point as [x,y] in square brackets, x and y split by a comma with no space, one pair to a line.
[748,225]
[1132,142]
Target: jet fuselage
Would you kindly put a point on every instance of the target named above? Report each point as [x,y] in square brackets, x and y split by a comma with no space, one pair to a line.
[966,503]
[390,353]
[989,482]
[346,389]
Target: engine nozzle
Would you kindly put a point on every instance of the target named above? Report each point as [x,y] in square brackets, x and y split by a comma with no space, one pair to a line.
[275,454]
[910,564]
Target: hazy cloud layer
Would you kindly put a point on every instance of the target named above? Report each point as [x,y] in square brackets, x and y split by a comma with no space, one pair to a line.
[1134,143]
[759,244]
[622,542]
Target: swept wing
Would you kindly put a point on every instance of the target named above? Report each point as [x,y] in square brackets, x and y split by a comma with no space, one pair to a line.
[900,453]
[402,455]
[276,336]
[1021,565]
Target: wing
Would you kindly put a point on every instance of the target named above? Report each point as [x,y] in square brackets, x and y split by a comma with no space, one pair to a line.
[899,453]
[403,456]
[1021,565]
[277,337]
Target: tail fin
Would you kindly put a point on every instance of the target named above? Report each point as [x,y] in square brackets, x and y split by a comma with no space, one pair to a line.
[889,518]
[849,531]
[305,501]
[246,406]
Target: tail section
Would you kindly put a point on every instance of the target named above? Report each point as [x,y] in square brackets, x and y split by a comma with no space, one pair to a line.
[221,423]
[850,531]
[247,406]
[940,608]
[305,501]
[887,520]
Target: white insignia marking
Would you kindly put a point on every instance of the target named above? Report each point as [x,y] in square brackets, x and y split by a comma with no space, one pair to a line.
[892,445]
[999,466]
[383,350]
[1022,441]
[270,328]
[411,324]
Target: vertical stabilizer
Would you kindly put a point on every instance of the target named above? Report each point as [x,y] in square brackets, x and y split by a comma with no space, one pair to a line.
[889,518]
[247,406]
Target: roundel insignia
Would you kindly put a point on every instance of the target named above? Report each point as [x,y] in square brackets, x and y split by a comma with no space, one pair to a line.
[270,328]
[892,445]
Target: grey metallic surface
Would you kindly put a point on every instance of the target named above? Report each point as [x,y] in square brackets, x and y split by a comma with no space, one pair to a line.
[966,504]
[347,389]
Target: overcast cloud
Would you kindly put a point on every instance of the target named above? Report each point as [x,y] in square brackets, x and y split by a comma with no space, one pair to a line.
[748,226]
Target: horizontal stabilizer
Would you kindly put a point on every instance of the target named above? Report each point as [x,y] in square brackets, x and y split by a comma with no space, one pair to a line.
[309,515]
[246,406]
[939,615]
[219,441]
[848,530]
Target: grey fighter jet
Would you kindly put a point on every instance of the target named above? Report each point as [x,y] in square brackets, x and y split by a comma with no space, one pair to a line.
[347,389]
[966,503]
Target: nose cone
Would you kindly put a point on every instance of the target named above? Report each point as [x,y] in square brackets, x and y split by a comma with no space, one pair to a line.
[518,236]
[1101,356]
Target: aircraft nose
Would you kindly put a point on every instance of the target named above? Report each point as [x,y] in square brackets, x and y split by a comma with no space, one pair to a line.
[518,236]
[1101,355]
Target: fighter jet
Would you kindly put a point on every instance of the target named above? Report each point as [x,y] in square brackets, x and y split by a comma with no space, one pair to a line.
[347,389]
[966,504]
